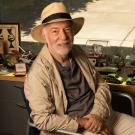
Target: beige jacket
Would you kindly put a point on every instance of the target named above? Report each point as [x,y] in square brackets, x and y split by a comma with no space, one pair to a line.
[45,92]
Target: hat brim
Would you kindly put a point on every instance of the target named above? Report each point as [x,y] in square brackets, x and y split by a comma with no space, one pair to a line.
[36,32]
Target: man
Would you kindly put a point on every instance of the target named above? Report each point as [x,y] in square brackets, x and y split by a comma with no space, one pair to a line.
[63,89]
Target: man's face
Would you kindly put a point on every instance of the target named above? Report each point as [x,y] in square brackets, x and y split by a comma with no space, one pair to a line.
[59,37]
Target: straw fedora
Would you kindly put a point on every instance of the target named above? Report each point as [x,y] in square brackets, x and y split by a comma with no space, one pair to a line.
[55,12]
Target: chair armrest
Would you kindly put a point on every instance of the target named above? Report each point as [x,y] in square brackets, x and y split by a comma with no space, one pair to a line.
[60,131]
[65,132]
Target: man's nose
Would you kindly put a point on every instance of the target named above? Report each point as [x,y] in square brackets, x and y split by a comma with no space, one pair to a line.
[63,35]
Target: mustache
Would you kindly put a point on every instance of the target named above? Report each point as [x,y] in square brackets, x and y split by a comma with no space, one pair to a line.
[65,42]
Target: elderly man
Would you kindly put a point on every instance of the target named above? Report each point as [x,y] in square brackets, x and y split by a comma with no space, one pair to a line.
[63,89]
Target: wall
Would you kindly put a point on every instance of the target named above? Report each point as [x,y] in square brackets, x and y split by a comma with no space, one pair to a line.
[27,13]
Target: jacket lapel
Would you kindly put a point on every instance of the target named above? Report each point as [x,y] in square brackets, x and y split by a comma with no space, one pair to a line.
[54,74]
[85,68]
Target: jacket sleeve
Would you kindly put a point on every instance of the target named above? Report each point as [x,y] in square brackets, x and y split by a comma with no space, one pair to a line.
[43,110]
[102,102]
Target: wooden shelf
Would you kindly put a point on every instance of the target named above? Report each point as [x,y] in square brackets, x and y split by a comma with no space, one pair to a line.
[13,78]
[128,88]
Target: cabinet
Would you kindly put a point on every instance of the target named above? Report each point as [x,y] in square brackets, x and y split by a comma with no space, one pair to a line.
[13,114]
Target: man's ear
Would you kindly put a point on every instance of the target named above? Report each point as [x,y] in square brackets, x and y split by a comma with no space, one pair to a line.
[43,35]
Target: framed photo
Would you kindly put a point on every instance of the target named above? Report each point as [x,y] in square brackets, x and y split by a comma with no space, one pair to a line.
[10,33]
[97,42]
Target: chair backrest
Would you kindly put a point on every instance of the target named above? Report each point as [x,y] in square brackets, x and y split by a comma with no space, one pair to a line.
[31,130]
[123,102]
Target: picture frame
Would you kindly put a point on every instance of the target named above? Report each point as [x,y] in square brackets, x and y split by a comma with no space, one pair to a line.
[10,34]
[92,42]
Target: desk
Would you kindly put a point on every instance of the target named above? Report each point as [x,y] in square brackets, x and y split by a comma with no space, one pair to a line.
[124,72]
[13,78]
[13,113]
[123,98]
[121,87]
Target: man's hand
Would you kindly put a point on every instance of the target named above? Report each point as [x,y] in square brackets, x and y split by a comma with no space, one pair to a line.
[94,124]
[81,122]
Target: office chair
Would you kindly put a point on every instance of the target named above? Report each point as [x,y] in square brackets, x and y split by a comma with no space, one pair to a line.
[120,101]
[32,130]
[123,102]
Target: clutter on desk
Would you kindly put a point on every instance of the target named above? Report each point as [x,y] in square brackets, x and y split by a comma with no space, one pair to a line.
[116,68]
[15,63]
[20,69]
[130,60]
[114,78]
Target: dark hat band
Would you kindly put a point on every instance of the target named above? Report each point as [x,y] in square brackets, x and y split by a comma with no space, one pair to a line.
[57,16]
